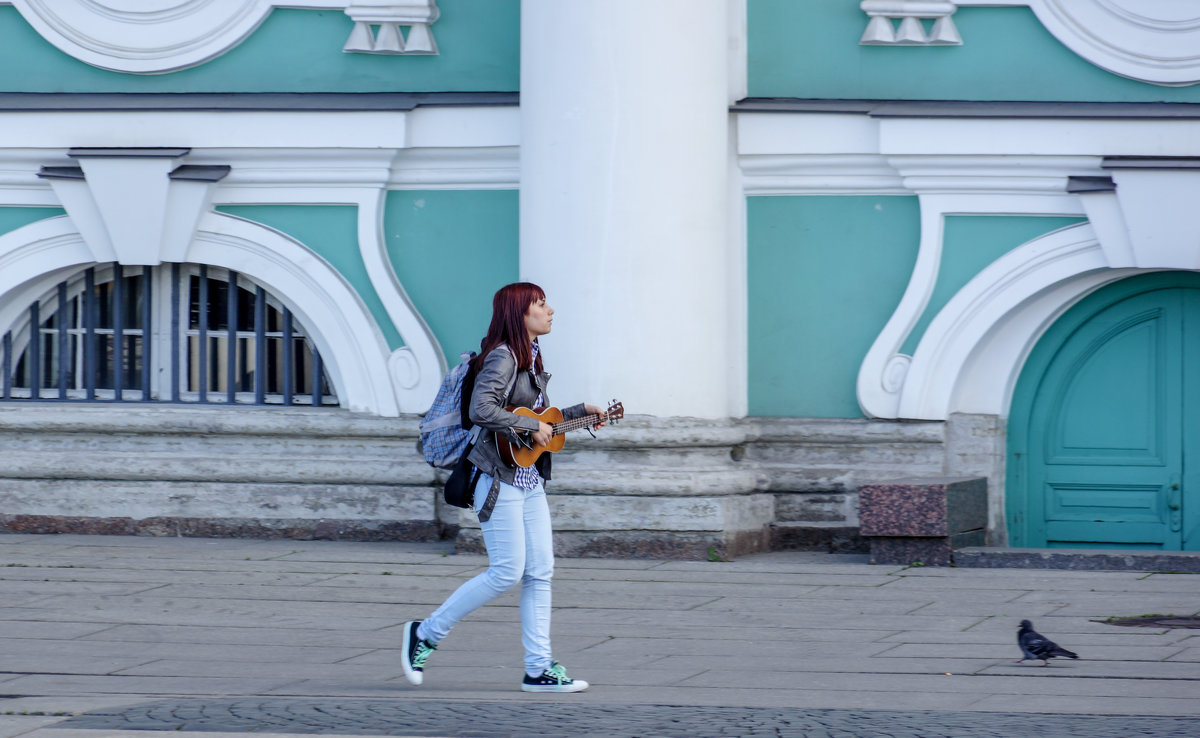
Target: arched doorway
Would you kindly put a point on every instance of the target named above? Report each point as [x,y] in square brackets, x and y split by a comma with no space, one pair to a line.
[1104,430]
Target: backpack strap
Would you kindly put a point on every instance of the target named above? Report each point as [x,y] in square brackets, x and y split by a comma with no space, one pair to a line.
[464,419]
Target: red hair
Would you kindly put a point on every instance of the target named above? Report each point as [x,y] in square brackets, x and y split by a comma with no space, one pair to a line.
[509,306]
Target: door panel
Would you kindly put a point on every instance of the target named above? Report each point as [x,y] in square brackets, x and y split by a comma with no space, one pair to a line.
[1117,377]
[1103,445]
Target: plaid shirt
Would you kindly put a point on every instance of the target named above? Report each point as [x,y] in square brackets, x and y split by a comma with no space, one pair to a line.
[527,477]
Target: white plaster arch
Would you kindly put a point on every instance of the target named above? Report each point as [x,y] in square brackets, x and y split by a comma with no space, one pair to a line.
[972,353]
[33,258]
[1154,41]
[342,327]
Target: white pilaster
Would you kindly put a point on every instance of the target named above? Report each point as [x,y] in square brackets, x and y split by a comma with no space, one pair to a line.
[625,200]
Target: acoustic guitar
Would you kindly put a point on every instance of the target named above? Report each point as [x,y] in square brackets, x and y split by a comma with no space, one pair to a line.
[521,455]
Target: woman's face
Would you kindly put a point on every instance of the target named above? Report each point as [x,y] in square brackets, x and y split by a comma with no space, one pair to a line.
[538,318]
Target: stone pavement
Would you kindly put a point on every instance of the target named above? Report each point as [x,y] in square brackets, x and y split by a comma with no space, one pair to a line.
[117,636]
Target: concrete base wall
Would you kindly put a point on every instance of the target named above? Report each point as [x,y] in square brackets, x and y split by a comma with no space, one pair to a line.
[660,487]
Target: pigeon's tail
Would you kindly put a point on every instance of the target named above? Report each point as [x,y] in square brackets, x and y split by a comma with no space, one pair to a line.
[1060,651]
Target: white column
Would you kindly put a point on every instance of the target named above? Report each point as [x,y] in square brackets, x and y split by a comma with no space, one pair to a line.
[625,200]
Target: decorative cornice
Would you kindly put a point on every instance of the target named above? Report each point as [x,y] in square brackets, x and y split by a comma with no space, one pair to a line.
[389,16]
[800,174]
[968,109]
[159,36]
[912,15]
[19,102]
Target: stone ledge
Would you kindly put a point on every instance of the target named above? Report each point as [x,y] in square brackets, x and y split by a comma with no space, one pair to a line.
[216,500]
[293,528]
[590,515]
[164,419]
[640,544]
[831,537]
[1077,559]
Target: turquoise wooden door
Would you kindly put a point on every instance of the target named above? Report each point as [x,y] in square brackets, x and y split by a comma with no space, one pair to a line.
[1104,434]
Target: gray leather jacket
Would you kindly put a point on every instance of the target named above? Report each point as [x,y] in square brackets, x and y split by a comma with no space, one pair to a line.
[488,411]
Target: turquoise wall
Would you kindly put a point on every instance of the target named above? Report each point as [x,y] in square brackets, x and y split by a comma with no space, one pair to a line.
[969,244]
[294,51]
[331,231]
[824,275]
[12,218]
[452,250]
[810,49]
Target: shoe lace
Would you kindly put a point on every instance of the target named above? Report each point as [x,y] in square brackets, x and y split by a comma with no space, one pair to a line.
[424,648]
[558,672]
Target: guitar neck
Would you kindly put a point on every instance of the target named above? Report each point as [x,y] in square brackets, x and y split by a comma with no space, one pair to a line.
[587,421]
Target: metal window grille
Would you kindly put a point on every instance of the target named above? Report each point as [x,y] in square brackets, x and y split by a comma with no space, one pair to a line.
[174,333]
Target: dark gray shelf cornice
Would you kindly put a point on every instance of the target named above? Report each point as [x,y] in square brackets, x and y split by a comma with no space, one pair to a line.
[972,109]
[248,101]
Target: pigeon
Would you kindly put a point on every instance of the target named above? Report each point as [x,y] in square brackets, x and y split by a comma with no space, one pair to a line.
[1034,645]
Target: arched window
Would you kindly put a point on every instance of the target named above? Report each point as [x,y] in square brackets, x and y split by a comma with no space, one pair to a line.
[167,333]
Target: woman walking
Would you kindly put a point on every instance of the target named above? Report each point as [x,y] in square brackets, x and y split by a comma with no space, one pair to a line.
[510,502]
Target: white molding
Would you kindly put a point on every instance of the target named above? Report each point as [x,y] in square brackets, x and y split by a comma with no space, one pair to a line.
[467,126]
[973,351]
[390,15]
[1156,41]
[130,196]
[341,325]
[807,134]
[491,168]
[981,185]
[986,174]
[416,369]
[883,371]
[1147,40]
[901,23]
[810,154]
[159,36]
[33,258]
[822,174]
[201,129]
[1030,137]
[1159,211]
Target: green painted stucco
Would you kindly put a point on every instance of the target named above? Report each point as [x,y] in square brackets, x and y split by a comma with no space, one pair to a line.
[294,51]
[331,231]
[810,49]
[452,250]
[969,244]
[12,218]
[824,275]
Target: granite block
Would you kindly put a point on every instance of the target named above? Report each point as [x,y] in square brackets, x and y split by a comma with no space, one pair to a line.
[922,507]
[931,551]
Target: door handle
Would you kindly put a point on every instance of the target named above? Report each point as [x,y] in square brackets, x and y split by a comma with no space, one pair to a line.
[1174,504]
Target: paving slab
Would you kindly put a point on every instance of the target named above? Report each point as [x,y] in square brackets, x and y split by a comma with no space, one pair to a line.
[16,725]
[163,624]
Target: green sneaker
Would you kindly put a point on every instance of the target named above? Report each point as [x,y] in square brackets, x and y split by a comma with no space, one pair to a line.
[414,652]
[554,679]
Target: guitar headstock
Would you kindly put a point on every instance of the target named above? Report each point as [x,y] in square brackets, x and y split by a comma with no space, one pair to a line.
[616,411]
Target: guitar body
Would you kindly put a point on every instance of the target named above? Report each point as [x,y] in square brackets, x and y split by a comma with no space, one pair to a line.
[523,456]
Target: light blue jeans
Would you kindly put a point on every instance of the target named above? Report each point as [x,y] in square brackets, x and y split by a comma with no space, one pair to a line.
[520,548]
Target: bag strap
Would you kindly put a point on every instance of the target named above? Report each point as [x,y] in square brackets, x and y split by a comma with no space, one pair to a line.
[465,409]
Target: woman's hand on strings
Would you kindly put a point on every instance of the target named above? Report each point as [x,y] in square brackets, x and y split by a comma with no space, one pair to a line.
[543,434]
[593,410]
